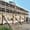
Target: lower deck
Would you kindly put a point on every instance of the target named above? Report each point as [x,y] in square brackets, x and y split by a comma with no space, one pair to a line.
[12,17]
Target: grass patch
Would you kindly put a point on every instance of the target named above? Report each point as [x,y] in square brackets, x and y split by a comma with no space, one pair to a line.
[4,28]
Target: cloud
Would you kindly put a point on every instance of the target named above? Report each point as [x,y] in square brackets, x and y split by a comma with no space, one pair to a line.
[11,0]
[8,0]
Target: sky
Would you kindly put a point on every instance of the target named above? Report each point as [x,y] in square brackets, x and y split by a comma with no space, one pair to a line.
[22,3]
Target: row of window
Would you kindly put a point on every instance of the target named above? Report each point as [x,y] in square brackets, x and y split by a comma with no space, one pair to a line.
[9,5]
[5,3]
[3,10]
[9,11]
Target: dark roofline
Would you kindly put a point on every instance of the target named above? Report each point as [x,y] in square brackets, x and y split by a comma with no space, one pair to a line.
[16,6]
[6,3]
[22,9]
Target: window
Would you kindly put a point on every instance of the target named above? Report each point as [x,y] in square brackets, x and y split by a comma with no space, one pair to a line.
[7,10]
[0,2]
[10,5]
[3,3]
[0,9]
[6,4]
[13,6]
[3,9]
[10,11]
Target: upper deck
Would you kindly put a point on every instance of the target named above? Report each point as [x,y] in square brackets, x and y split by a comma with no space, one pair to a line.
[4,6]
